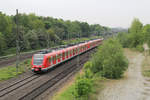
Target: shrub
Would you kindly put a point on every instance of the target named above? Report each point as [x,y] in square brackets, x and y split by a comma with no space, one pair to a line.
[87,70]
[109,60]
[83,86]
[123,39]
[140,48]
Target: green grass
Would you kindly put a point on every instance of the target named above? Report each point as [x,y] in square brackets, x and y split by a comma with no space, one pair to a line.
[10,71]
[146,65]
[67,94]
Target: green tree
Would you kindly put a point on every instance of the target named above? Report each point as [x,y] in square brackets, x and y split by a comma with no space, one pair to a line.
[136,36]
[109,60]
[32,39]
[146,33]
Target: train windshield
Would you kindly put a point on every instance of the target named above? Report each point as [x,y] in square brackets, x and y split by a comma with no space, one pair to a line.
[38,59]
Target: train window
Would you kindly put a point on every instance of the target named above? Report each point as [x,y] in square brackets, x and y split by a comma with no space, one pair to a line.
[38,59]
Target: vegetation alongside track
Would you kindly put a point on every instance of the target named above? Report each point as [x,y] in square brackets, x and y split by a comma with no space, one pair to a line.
[11,71]
[108,62]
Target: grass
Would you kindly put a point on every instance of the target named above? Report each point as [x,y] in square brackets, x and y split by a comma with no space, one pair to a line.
[146,65]
[97,88]
[10,71]
[67,93]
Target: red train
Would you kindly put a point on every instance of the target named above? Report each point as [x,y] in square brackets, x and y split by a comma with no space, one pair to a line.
[43,61]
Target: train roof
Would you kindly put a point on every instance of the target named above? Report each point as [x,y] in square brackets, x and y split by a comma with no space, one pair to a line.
[62,48]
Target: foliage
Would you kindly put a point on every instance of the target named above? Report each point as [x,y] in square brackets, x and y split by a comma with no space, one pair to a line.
[109,60]
[123,38]
[140,48]
[146,33]
[136,33]
[35,31]
[83,86]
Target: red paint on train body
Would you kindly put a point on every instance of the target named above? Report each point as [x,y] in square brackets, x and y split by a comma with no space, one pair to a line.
[43,62]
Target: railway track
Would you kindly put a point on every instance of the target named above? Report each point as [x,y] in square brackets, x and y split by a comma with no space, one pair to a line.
[12,60]
[6,90]
[32,86]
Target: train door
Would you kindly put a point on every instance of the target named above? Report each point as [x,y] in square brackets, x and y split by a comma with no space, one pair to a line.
[76,51]
[66,54]
[54,59]
[49,61]
[63,55]
[70,52]
[73,51]
[58,58]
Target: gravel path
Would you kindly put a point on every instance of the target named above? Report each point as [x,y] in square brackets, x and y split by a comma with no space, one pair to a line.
[132,87]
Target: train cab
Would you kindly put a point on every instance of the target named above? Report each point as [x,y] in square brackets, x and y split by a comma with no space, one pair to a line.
[37,62]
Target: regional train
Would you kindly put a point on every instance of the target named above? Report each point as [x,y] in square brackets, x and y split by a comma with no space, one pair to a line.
[45,60]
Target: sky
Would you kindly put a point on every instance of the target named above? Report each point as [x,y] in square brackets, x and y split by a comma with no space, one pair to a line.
[111,13]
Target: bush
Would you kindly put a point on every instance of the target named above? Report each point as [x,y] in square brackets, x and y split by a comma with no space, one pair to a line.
[83,86]
[109,60]
[87,70]
[140,48]
[124,39]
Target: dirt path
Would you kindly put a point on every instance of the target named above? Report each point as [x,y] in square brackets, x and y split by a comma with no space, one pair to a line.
[133,86]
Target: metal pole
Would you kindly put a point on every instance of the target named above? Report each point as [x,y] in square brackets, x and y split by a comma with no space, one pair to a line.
[17,41]
[48,42]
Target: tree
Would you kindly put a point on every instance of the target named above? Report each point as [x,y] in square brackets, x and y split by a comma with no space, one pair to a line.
[135,31]
[109,60]
[146,33]
[32,39]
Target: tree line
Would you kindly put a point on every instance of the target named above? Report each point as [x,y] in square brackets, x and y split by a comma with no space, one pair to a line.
[137,35]
[36,31]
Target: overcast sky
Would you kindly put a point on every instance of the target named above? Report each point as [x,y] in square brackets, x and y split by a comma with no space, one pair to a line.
[112,13]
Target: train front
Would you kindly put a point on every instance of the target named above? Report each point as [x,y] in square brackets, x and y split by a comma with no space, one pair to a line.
[37,62]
